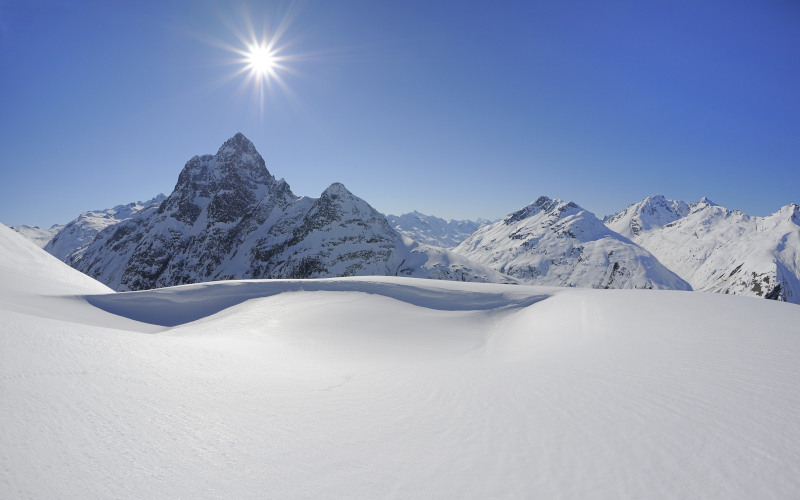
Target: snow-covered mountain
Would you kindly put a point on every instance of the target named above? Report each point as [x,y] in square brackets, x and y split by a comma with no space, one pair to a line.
[38,235]
[69,243]
[355,387]
[433,230]
[726,251]
[651,213]
[229,218]
[551,242]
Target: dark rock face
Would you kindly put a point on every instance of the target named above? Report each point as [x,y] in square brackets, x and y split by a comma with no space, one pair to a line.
[217,202]
[339,235]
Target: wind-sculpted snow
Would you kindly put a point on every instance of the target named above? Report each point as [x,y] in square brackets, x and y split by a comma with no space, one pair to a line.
[726,251]
[550,242]
[368,387]
[187,303]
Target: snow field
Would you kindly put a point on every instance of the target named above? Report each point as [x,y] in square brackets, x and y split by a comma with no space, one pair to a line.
[393,387]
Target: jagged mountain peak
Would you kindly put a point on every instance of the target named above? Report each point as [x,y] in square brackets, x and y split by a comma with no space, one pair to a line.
[238,144]
[336,190]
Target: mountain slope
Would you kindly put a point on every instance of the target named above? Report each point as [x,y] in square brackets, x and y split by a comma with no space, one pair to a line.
[69,243]
[229,218]
[651,213]
[550,242]
[433,230]
[727,251]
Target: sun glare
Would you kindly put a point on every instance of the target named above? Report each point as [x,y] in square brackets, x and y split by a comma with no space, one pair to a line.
[260,58]
[261,61]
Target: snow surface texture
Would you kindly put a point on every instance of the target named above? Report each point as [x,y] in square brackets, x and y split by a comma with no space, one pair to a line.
[433,230]
[390,387]
[38,235]
[721,250]
[551,242]
[229,218]
[69,243]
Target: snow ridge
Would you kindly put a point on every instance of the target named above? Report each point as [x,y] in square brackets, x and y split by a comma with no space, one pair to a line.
[551,242]
[724,251]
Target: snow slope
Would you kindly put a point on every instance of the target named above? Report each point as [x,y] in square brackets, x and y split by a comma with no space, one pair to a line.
[26,268]
[726,251]
[393,387]
[551,242]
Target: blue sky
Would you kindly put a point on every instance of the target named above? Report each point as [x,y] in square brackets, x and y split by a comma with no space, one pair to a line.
[459,109]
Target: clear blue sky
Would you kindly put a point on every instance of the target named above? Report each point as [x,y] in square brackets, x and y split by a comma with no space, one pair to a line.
[460,109]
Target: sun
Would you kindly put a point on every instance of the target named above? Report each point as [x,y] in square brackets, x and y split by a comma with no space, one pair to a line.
[261,61]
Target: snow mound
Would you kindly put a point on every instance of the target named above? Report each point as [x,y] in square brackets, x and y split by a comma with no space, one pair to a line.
[421,388]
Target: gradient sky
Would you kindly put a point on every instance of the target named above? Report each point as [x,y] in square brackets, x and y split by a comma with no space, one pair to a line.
[460,109]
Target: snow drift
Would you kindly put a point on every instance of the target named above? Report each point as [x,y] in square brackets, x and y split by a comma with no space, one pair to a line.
[388,386]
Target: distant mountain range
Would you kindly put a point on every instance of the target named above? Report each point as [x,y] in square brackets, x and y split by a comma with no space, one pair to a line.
[229,218]
[433,230]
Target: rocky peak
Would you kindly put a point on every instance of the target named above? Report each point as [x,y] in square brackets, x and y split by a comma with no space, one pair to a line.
[225,185]
[237,145]
[542,203]
[337,190]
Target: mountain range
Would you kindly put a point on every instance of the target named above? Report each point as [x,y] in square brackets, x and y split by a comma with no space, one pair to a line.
[229,218]
[552,242]
[433,230]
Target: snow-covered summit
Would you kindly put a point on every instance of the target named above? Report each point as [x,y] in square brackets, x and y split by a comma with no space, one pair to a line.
[720,250]
[650,213]
[552,242]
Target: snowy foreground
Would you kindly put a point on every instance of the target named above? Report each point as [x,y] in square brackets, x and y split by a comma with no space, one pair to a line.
[390,387]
